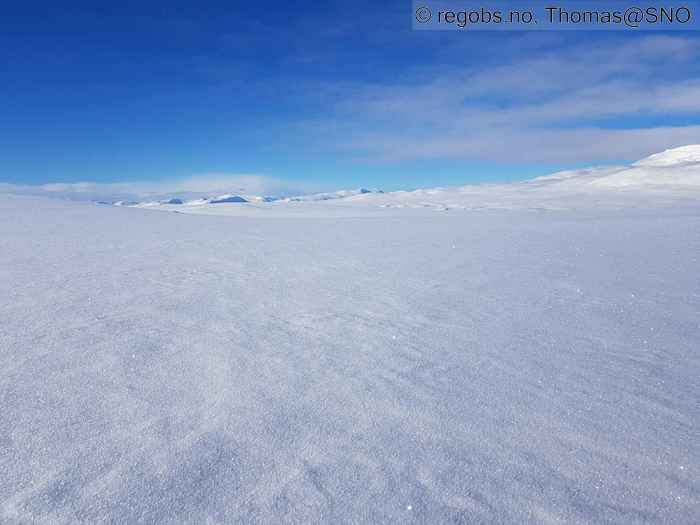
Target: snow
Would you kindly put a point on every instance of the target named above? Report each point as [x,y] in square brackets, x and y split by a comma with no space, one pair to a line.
[227,199]
[677,168]
[673,157]
[239,199]
[342,194]
[528,357]
[663,179]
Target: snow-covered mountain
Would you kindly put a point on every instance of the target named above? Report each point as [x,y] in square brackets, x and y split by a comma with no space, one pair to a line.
[659,178]
[230,198]
[342,194]
[684,155]
[673,169]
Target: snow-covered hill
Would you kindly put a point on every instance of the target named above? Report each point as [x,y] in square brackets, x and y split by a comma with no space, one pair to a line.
[675,170]
[661,179]
[231,198]
[685,155]
[664,178]
[342,194]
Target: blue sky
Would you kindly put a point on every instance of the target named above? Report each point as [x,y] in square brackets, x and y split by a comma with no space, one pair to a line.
[293,97]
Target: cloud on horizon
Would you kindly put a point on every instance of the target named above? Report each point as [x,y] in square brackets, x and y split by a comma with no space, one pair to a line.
[189,187]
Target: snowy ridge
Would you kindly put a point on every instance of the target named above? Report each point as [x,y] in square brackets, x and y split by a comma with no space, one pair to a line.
[231,198]
[673,157]
[342,194]
[677,168]
[660,179]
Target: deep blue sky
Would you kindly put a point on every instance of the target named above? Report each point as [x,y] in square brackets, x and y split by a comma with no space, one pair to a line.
[323,95]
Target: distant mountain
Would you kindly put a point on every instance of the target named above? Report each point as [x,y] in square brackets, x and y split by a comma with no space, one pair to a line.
[227,199]
[242,199]
[342,194]
[672,173]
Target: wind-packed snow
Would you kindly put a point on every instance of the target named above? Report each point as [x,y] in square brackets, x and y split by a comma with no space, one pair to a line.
[319,362]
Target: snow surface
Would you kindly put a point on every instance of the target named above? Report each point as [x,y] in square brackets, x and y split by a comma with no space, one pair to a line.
[533,359]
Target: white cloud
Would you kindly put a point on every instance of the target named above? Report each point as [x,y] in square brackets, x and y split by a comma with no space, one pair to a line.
[565,105]
[195,185]
[532,146]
